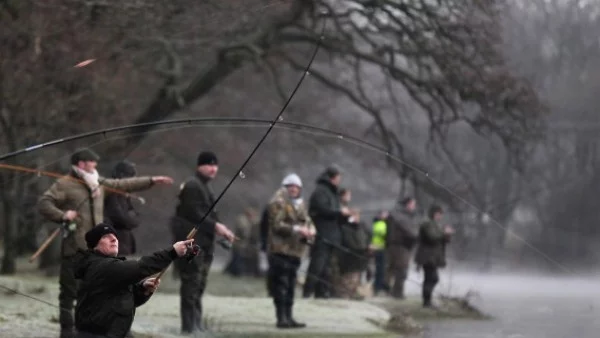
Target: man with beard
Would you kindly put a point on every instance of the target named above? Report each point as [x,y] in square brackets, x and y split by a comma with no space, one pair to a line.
[77,199]
[327,214]
[195,199]
[289,226]
[400,241]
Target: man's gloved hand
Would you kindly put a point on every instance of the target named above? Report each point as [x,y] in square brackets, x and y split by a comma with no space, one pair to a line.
[192,251]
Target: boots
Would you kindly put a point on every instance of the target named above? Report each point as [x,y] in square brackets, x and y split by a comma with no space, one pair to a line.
[282,319]
[293,323]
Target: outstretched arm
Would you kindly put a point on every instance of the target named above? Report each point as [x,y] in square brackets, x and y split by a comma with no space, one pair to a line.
[131,272]
[135,183]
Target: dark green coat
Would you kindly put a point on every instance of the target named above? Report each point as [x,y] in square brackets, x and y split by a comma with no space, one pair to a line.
[325,211]
[431,248]
[195,199]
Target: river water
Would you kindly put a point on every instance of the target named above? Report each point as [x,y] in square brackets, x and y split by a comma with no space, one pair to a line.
[522,306]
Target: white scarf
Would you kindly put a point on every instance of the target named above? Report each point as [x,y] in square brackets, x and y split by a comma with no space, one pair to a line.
[296,201]
[90,179]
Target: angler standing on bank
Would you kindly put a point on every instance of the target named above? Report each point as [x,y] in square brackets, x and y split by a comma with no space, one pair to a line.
[289,227]
[401,239]
[195,200]
[327,214]
[78,198]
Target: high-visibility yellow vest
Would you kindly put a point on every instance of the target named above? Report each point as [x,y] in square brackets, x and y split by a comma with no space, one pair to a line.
[379,233]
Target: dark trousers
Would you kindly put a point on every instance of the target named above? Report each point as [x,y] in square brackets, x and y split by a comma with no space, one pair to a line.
[379,280]
[193,276]
[397,262]
[317,277]
[282,274]
[431,279]
[67,294]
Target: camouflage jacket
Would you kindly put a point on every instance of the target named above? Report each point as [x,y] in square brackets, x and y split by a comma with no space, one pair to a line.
[283,216]
[69,193]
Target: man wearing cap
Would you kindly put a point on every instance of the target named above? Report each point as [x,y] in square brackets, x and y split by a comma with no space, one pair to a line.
[78,199]
[195,199]
[112,287]
[328,215]
[289,225]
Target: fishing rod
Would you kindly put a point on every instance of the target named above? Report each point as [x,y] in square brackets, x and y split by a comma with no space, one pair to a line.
[65,224]
[297,126]
[257,146]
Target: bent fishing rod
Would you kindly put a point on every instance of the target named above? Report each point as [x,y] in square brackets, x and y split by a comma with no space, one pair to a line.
[260,142]
[65,223]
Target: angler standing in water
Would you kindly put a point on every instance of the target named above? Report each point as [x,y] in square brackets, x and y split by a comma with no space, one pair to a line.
[78,199]
[195,200]
[289,226]
[112,287]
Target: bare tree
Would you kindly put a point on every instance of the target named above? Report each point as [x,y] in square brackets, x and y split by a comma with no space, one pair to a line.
[442,55]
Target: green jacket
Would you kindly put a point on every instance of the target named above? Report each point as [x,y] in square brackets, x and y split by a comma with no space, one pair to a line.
[379,234]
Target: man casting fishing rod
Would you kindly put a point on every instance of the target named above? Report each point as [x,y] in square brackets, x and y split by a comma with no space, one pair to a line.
[112,287]
[77,199]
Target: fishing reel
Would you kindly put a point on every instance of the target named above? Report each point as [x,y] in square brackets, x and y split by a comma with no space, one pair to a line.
[192,251]
[68,227]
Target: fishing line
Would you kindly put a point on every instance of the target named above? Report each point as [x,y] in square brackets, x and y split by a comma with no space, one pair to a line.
[30,297]
[211,208]
[291,126]
[297,126]
[37,170]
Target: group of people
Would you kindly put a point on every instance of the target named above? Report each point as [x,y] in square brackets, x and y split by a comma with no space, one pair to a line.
[98,218]
[395,236]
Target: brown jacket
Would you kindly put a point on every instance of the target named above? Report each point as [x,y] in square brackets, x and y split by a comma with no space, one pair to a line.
[69,193]
[283,215]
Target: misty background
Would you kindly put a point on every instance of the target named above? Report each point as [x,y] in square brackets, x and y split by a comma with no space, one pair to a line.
[487,108]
